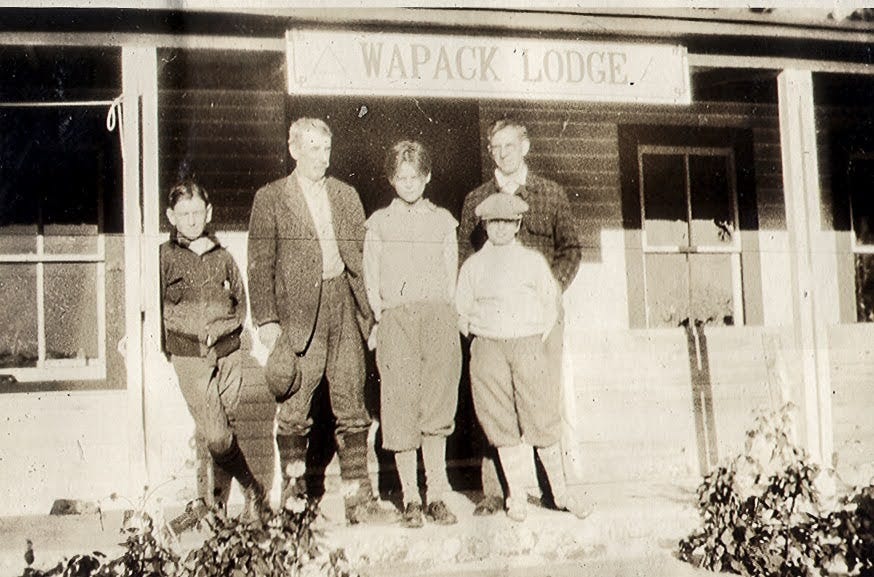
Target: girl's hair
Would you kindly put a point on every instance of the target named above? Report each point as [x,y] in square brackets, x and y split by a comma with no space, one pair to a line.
[186,189]
[407,151]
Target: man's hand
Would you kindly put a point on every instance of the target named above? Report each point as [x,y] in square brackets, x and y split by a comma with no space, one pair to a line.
[268,333]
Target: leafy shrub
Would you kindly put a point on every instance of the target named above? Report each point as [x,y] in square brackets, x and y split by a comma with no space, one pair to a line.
[285,543]
[763,513]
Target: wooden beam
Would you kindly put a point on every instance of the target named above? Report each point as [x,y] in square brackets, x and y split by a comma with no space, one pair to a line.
[806,242]
[133,39]
[777,63]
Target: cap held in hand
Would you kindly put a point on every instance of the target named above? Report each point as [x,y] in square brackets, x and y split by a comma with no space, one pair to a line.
[282,372]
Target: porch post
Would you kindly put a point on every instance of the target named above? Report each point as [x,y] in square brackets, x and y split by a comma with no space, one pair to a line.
[131,66]
[149,283]
[803,221]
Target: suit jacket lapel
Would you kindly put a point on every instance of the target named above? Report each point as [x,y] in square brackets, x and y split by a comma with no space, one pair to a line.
[335,201]
[297,207]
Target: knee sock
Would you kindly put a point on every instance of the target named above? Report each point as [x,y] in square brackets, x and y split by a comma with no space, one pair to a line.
[552,461]
[434,456]
[407,464]
[292,462]
[516,462]
[233,461]
[352,454]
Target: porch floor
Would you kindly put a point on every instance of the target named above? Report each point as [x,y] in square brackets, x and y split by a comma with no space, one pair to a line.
[634,531]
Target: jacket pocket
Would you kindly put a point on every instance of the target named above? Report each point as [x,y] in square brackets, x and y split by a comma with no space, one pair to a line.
[174,290]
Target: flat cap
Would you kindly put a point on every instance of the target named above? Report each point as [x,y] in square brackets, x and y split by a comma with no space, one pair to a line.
[501,205]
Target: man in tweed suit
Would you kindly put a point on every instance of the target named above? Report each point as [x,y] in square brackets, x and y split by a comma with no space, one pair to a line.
[547,227]
[306,236]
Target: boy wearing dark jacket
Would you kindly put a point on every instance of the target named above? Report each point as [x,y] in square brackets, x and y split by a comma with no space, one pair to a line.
[203,308]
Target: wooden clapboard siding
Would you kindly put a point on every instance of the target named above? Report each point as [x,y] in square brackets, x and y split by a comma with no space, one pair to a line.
[233,141]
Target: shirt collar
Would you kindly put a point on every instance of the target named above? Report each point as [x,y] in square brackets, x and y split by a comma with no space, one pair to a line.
[424,206]
[184,242]
[493,246]
[513,182]
[309,186]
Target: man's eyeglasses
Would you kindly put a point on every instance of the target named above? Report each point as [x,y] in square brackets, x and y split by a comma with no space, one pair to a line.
[509,147]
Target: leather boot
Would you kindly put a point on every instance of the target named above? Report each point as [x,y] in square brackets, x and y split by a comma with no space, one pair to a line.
[361,505]
[233,461]
[292,462]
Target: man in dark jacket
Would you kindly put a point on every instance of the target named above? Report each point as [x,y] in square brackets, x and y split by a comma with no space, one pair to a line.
[548,227]
[306,235]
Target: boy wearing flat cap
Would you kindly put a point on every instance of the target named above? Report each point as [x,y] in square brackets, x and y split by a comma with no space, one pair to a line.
[507,300]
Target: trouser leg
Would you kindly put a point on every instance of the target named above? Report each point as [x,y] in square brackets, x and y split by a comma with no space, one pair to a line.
[212,393]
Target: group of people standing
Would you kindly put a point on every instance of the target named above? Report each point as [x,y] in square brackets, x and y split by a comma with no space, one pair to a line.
[325,282]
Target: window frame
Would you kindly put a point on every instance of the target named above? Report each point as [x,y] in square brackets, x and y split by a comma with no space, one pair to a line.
[855,246]
[66,369]
[734,249]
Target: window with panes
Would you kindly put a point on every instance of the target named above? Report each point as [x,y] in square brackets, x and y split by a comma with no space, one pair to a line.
[690,235]
[60,193]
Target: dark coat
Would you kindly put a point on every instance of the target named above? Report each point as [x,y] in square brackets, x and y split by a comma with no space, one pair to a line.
[202,300]
[285,257]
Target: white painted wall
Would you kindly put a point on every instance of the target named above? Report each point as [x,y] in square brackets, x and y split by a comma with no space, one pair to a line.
[598,296]
[62,445]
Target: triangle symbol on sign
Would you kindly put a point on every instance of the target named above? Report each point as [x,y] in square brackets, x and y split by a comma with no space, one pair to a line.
[328,64]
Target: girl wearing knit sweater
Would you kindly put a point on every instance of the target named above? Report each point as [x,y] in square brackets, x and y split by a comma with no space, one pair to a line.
[410,267]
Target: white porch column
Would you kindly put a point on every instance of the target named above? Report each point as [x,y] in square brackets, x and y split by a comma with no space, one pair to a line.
[803,221]
[155,367]
[132,65]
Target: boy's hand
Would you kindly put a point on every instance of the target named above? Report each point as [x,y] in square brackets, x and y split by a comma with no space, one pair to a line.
[268,333]
[464,327]
[371,340]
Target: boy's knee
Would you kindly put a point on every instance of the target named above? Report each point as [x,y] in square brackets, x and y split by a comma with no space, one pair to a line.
[219,444]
